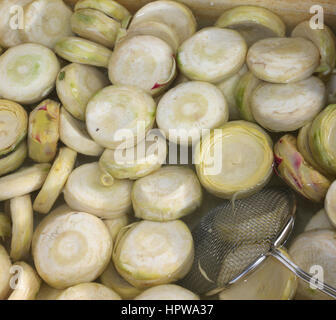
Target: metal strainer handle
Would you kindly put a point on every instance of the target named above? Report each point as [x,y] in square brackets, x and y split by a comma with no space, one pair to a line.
[323,287]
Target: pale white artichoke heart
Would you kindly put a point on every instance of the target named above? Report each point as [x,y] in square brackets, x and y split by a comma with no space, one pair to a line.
[143,61]
[112,279]
[45,22]
[304,148]
[13,160]
[120,116]
[88,291]
[96,26]
[76,84]
[253,23]
[283,60]
[83,51]
[13,125]
[330,204]
[5,275]
[176,15]
[243,91]
[57,177]
[23,181]
[21,211]
[315,252]
[9,24]
[319,220]
[73,134]
[167,194]
[234,161]
[228,87]
[139,161]
[28,282]
[28,73]
[212,54]
[150,253]
[184,111]
[167,292]
[288,107]
[85,192]
[325,41]
[111,8]
[270,281]
[71,248]
[156,29]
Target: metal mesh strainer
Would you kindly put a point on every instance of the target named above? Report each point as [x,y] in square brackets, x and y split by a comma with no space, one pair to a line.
[233,239]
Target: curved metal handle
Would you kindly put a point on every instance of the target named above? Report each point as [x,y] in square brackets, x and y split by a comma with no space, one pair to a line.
[323,287]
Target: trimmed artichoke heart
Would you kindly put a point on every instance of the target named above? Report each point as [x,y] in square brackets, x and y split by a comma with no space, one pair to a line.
[13,125]
[85,192]
[150,253]
[184,112]
[23,181]
[288,107]
[143,61]
[43,131]
[253,23]
[167,194]
[322,139]
[95,26]
[83,51]
[156,29]
[243,92]
[235,160]
[176,15]
[212,54]
[314,248]
[76,84]
[88,291]
[109,7]
[324,39]
[28,73]
[71,248]
[283,60]
[45,22]
[120,116]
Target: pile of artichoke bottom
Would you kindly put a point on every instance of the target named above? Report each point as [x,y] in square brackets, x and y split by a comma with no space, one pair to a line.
[93,100]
